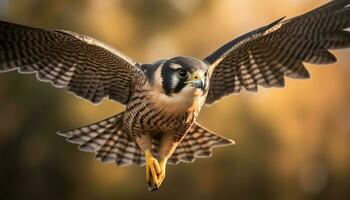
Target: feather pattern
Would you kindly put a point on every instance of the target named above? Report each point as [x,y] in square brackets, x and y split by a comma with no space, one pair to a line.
[197,143]
[108,140]
[264,56]
[89,68]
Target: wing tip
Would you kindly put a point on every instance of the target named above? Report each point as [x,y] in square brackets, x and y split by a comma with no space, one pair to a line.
[63,133]
[231,142]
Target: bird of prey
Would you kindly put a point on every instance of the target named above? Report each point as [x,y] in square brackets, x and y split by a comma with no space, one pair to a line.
[163,99]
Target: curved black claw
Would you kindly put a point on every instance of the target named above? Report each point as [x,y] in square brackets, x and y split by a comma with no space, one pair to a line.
[151,187]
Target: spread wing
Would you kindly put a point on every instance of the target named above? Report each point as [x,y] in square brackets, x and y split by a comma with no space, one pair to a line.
[264,56]
[87,67]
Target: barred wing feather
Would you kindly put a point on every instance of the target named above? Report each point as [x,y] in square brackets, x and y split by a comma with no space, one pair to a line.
[264,56]
[87,67]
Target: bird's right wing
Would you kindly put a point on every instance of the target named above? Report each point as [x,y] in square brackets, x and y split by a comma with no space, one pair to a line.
[87,67]
[264,56]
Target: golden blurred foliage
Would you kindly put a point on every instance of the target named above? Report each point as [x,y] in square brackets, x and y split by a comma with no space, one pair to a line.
[292,143]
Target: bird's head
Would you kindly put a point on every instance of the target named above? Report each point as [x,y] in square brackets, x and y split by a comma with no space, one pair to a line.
[183,74]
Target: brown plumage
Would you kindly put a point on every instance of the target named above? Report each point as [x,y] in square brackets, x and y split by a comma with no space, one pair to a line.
[164,98]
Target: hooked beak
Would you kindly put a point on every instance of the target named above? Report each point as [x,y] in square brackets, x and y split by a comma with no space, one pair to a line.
[197,80]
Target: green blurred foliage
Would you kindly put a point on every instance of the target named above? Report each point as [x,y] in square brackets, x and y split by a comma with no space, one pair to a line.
[292,143]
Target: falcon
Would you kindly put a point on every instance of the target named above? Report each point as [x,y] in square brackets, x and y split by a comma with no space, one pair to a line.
[163,99]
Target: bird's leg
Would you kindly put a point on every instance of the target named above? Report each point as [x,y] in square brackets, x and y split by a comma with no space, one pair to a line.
[167,148]
[152,165]
[152,171]
[161,175]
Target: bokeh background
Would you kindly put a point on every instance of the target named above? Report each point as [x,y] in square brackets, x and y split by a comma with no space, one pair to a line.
[292,143]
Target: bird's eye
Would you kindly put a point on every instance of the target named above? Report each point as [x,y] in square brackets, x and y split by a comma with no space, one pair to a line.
[182,73]
[206,74]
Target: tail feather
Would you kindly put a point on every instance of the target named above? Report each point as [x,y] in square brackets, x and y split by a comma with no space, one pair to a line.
[108,140]
[198,143]
[200,148]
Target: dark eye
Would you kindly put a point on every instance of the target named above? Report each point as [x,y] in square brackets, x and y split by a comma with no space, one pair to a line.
[205,74]
[182,73]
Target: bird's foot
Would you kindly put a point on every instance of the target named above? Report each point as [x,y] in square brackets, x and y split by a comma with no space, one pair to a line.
[161,176]
[153,171]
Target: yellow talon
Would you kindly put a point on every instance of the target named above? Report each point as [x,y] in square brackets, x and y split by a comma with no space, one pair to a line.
[152,171]
[161,175]
[155,172]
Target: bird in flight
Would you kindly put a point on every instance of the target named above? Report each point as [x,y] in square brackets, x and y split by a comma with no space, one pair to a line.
[163,99]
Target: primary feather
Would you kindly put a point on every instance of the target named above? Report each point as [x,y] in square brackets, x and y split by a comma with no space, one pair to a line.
[89,68]
[264,56]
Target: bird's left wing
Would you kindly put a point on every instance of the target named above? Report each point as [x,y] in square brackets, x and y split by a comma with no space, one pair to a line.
[264,56]
[87,67]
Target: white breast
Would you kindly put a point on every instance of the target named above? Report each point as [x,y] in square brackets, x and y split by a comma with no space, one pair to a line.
[188,99]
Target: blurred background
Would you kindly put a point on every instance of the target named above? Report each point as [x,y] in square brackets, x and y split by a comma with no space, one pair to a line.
[292,143]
